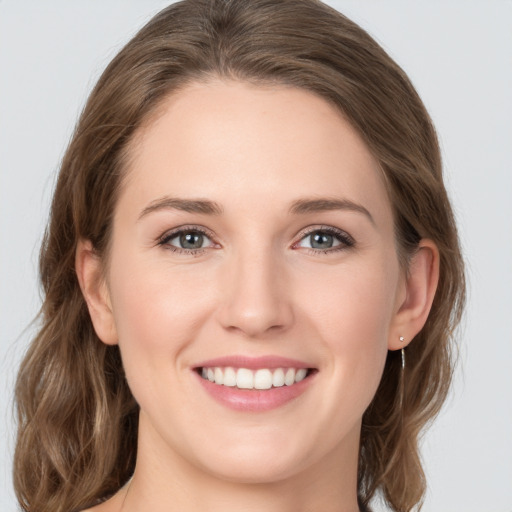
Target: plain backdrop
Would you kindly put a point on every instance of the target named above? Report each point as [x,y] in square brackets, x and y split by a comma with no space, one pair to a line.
[458,55]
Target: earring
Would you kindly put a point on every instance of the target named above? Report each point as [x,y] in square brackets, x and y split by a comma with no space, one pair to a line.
[402,381]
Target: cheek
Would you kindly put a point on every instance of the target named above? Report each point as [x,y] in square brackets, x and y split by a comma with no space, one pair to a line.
[157,314]
[353,305]
[352,315]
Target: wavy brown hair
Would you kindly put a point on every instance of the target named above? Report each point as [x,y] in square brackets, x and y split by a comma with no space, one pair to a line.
[77,419]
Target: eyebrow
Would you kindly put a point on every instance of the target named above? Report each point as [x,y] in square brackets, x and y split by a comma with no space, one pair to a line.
[298,207]
[186,205]
[304,206]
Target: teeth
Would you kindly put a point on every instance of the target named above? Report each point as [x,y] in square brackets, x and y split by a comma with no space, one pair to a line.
[219,376]
[300,374]
[229,377]
[264,378]
[289,377]
[278,378]
[244,379]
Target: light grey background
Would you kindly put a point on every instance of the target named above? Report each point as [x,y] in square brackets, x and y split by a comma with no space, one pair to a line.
[459,56]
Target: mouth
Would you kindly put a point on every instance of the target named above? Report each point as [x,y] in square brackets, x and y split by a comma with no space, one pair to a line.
[254,379]
[255,384]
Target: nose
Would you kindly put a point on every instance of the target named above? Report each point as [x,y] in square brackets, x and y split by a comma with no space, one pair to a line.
[256,300]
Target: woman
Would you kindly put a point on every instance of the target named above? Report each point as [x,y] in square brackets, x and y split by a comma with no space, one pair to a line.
[251,273]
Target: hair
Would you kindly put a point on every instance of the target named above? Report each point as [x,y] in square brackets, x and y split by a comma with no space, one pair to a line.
[77,419]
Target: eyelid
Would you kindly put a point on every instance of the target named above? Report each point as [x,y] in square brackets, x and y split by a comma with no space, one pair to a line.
[174,232]
[345,238]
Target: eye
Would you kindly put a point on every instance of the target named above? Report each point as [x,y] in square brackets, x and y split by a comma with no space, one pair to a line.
[325,239]
[188,240]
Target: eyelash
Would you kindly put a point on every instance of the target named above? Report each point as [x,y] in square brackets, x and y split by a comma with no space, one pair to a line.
[167,237]
[346,241]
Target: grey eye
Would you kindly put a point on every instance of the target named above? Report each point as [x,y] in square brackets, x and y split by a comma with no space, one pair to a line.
[188,240]
[191,240]
[320,240]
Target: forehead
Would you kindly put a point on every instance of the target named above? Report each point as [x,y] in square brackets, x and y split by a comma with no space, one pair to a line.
[237,142]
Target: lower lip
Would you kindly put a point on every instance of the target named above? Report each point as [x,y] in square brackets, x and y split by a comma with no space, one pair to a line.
[255,400]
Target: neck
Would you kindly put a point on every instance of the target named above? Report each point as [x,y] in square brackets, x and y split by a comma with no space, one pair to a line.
[164,481]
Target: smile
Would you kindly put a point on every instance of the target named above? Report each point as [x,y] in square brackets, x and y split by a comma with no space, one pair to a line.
[245,378]
[254,384]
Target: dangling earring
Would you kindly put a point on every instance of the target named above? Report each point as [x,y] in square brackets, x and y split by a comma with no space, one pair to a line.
[402,376]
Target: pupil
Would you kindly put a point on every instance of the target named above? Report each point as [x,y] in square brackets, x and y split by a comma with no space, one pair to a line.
[191,241]
[321,241]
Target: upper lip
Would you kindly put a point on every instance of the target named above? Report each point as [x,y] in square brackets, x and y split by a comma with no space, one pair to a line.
[253,363]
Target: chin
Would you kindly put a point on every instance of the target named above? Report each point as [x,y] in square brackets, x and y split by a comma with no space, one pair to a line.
[256,461]
[253,470]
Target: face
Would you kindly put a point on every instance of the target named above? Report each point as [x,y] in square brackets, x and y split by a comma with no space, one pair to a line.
[253,247]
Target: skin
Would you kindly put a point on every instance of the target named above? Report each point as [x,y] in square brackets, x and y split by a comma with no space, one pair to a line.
[255,288]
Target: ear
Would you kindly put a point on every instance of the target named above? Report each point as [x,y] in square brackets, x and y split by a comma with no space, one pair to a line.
[416,300]
[95,291]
